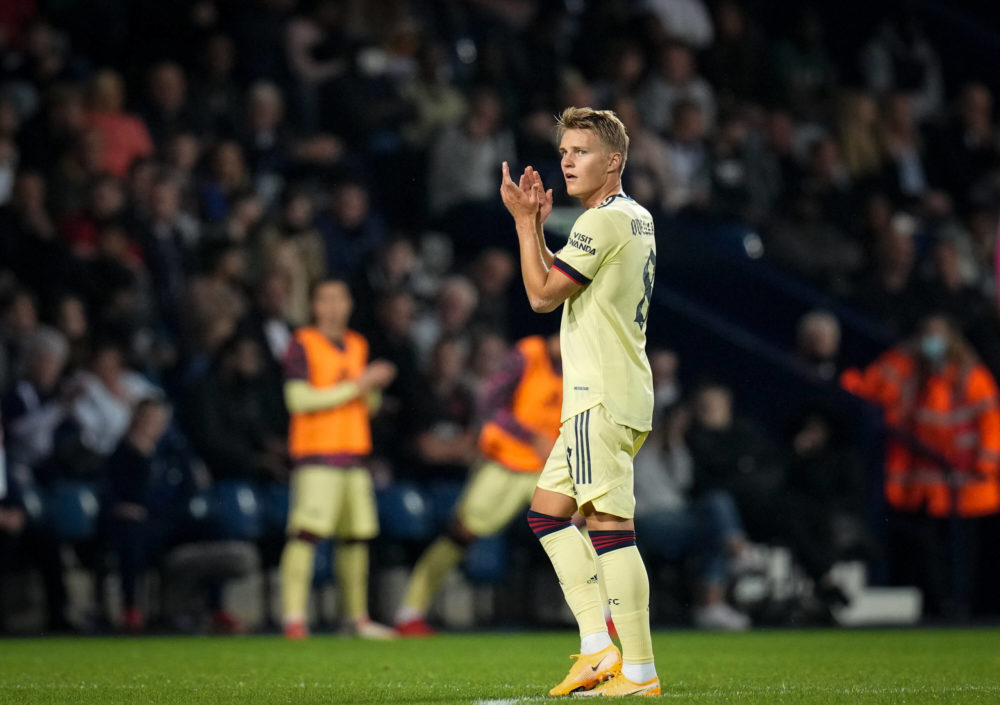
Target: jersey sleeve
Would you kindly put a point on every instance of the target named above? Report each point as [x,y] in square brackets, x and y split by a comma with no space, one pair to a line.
[295,365]
[592,241]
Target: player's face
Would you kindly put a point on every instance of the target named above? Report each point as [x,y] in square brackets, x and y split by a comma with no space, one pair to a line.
[332,305]
[587,164]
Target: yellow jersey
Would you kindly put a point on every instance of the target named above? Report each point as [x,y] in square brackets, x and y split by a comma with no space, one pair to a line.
[611,252]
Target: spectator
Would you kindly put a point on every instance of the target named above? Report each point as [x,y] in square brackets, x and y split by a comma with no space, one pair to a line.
[858,139]
[965,149]
[18,323]
[444,439]
[23,543]
[168,108]
[817,344]
[214,301]
[493,272]
[734,59]
[45,137]
[129,472]
[214,86]
[688,159]
[942,462]
[648,178]
[664,364]
[803,72]
[293,247]
[904,147]
[676,79]
[707,528]
[626,67]
[123,137]
[436,103]
[169,238]
[236,418]
[463,159]
[456,304]
[390,270]
[266,139]
[267,321]
[827,182]
[731,455]
[227,178]
[740,171]
[825,495]
[103,409]
[814,248]
[899,57]
[106,202]
[72,321]
[317,54]
[37,403]
[888,289]
[488,353]
[352,230]
[686,21]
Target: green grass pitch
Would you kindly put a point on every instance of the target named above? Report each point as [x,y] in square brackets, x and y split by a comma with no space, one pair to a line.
[911,666]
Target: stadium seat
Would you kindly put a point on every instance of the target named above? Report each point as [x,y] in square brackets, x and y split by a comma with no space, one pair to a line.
[274,506]
[71,510]
[323,563]
[405,513]
[444,496]
[486,560]
[235,510]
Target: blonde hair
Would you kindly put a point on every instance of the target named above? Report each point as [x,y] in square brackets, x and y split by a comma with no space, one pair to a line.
[859,142]
[603,123]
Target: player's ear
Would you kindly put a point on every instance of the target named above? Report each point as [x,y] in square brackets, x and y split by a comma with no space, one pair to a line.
[615,162]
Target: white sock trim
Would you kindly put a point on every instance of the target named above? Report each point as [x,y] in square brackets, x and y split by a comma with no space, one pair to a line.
[592,643]
[639,672]
[408,614]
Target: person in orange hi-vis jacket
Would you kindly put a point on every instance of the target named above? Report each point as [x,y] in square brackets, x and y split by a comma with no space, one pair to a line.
[942,464]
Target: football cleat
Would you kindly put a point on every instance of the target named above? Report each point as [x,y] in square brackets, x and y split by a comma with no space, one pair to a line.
[619,686]
[225,623]
[415,627]
[365,628]
[590,670]
[296,630]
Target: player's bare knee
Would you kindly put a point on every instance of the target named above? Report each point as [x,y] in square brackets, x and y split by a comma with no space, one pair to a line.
[460,534]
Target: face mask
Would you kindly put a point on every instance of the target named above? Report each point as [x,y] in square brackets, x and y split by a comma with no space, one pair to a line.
[933,347]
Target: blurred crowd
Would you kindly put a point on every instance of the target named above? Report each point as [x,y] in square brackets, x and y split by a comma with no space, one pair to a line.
[174,176]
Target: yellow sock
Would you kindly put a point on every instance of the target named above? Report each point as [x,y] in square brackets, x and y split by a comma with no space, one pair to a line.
[296,578]
[600,573]
[627,586]
[429,573]
[352,574]
[576,569]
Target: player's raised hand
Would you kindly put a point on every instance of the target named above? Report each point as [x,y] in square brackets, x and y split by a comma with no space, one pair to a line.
[533,179]
[377,375]
[520,202]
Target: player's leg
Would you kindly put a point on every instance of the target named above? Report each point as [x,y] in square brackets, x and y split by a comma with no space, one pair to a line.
[312,516]
[552,507]
[608,503]
[356,527]
[492,498]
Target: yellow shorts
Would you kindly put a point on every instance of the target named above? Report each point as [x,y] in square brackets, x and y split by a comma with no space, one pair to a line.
[592,462]
[493,497]
[330,502]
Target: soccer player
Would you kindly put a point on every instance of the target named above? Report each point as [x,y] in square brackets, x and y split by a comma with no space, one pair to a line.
[521,405]
[604,275]
[330,389]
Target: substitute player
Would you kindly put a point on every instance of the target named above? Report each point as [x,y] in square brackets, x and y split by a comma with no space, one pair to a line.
[330,388]
[604,275]
[521,404]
